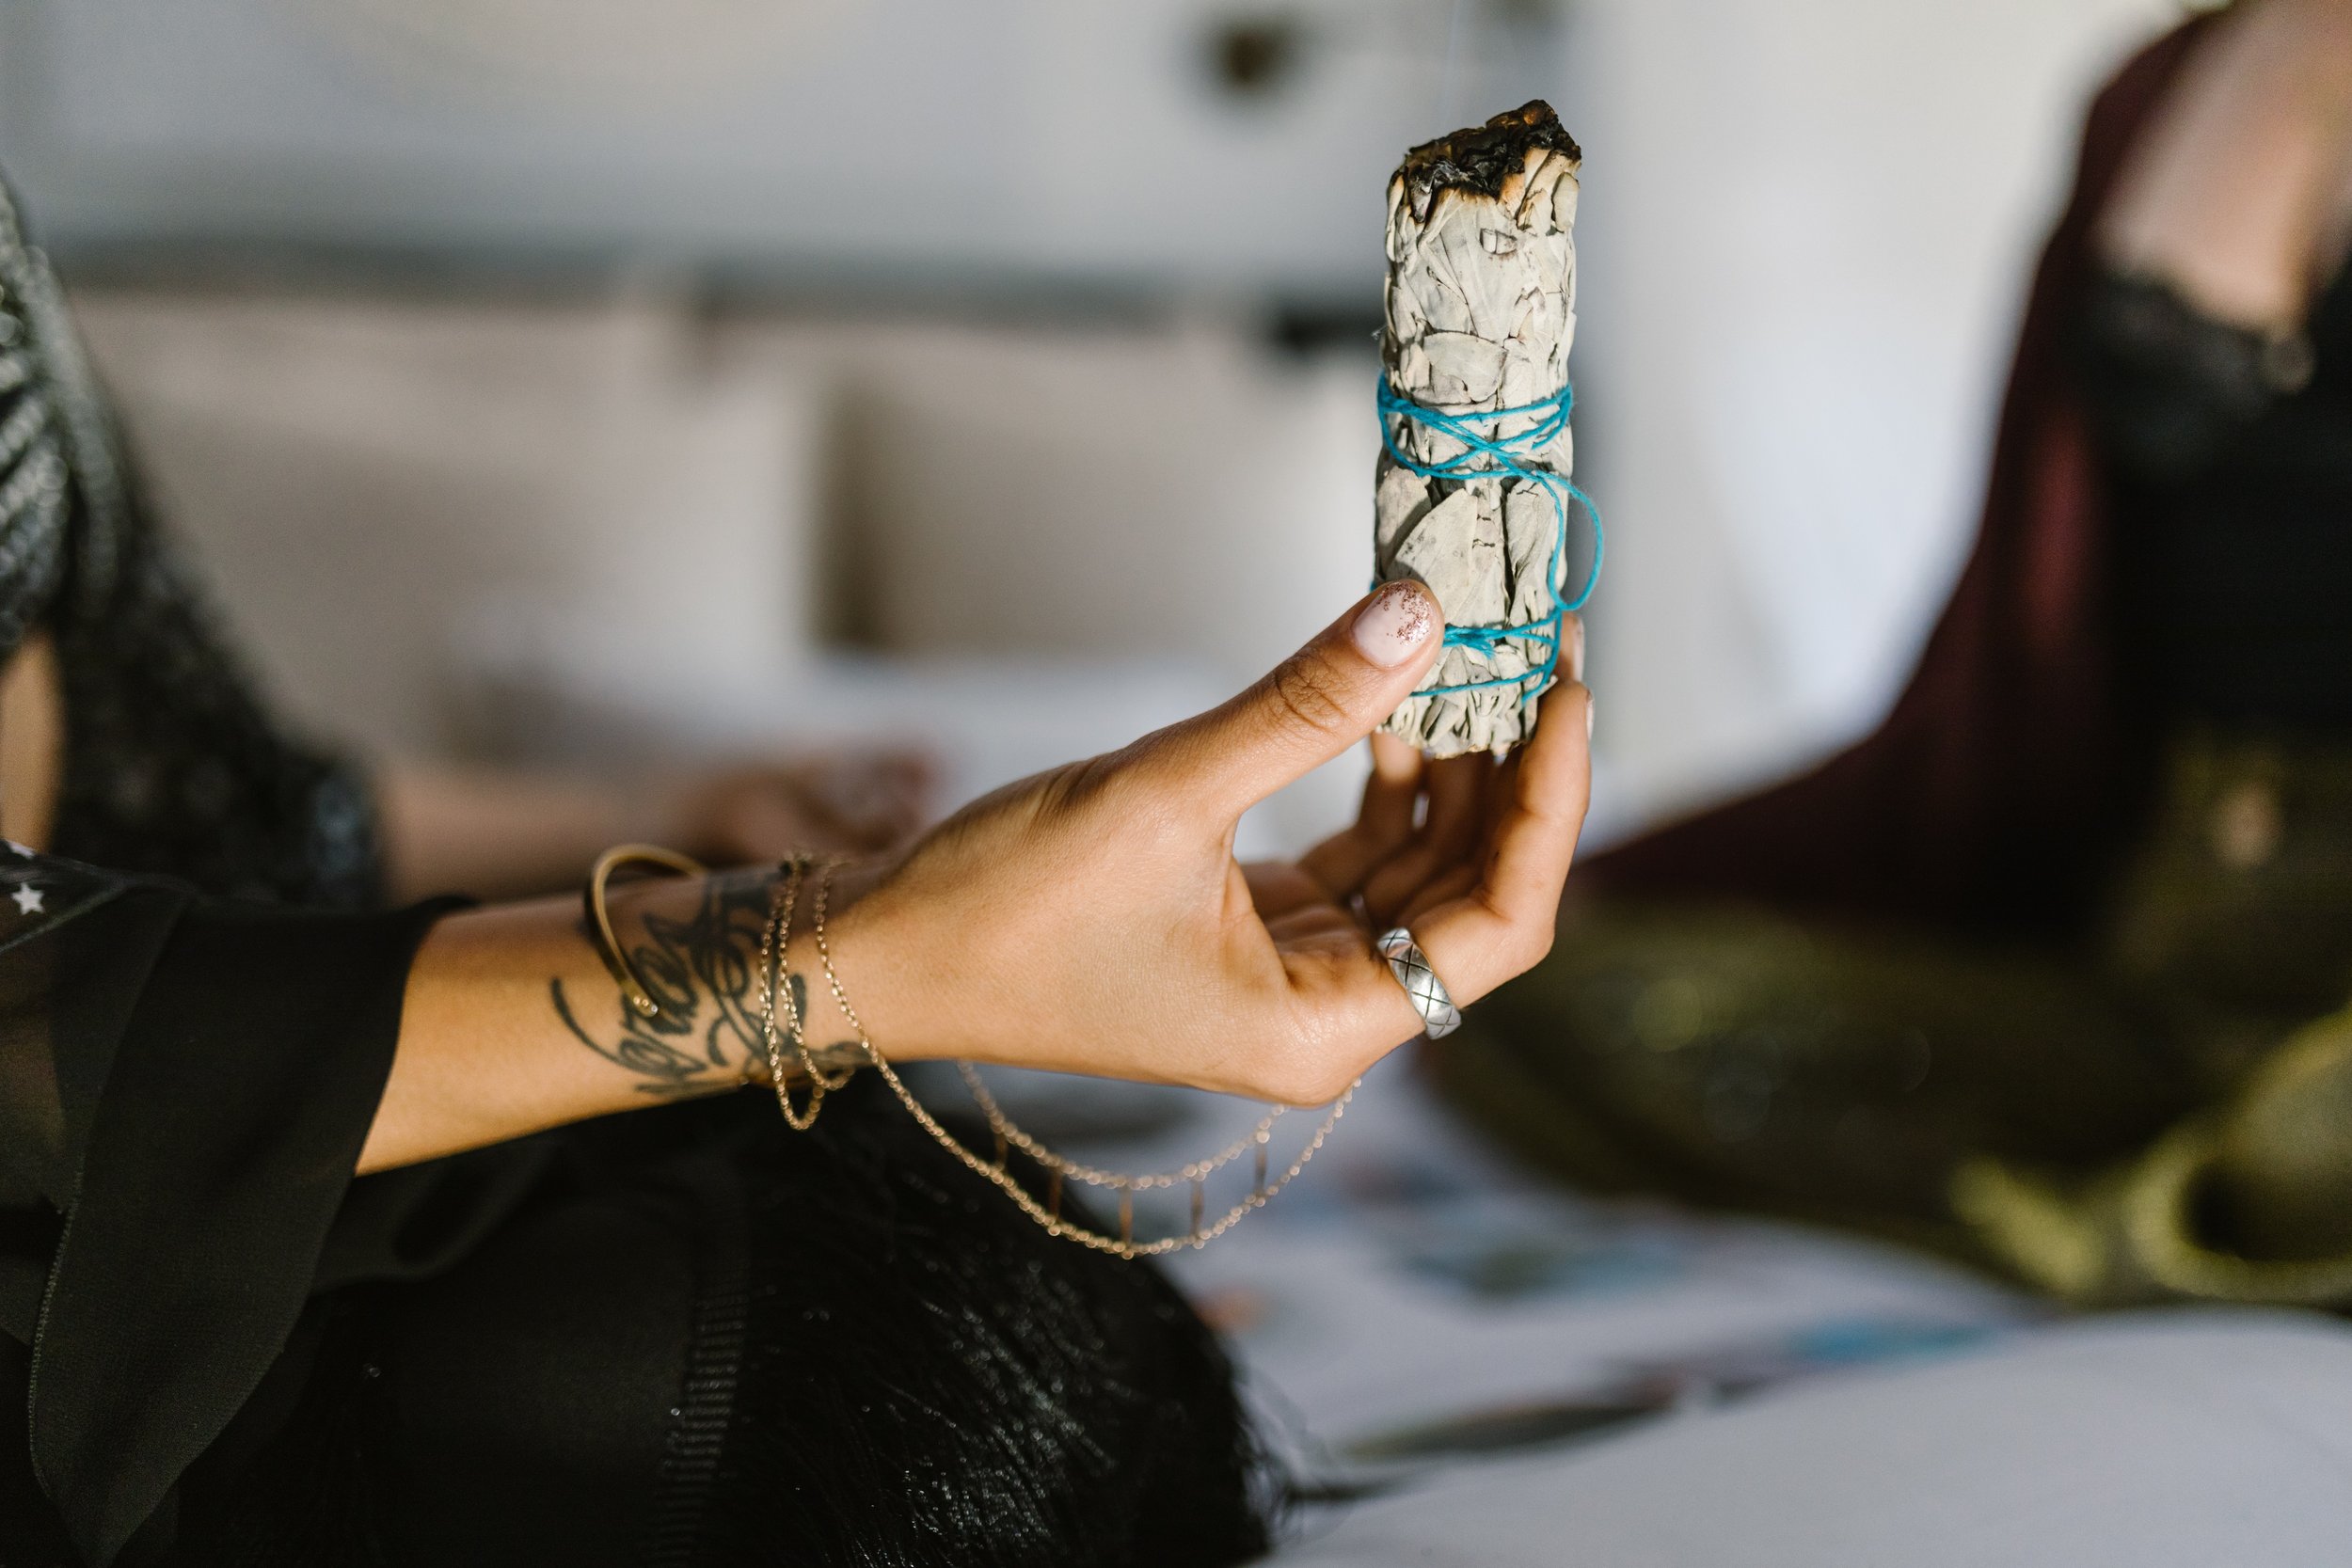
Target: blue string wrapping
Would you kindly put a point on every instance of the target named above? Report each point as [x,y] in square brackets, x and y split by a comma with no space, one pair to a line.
[1490,453]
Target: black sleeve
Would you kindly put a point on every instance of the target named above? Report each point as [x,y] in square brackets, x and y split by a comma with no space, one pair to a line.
[184,1087]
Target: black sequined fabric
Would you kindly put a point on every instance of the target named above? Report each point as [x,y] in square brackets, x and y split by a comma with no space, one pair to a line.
[710,1341]
[883,1364]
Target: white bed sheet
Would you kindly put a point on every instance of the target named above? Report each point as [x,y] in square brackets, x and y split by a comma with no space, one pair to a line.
[1415,1316]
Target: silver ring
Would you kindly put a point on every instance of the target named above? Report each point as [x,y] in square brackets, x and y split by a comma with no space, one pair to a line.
[1422,987]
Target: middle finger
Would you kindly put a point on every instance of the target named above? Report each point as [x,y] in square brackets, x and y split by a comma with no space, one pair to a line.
[1457,788]
[1383,824]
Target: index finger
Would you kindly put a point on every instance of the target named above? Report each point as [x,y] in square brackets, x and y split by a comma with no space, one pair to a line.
[1310,708]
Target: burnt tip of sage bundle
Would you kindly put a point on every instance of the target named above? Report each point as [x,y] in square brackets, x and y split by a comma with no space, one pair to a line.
[1480,158]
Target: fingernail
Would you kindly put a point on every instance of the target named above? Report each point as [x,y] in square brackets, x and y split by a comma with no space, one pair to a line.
[1576,648]
[1588,716]
[1395,622]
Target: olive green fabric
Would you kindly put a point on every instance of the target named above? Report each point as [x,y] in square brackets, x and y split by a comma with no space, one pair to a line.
[2164,1111]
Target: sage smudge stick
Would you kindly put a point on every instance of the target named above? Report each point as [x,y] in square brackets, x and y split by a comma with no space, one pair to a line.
[1480,312]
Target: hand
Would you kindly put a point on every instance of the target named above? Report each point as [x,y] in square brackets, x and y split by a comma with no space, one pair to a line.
[852,803]
[1092,919]
[1396,862]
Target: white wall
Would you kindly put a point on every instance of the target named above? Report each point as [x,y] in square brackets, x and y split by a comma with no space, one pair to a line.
[1805,233]
[909,141]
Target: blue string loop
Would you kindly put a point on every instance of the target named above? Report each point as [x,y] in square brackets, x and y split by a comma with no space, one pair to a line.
[1488,453]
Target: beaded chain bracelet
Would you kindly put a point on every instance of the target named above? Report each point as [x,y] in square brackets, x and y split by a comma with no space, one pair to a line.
[1008,1135]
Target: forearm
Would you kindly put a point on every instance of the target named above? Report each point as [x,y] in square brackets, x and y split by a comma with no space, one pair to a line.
[2240,175]
[498,834]
[512,1024]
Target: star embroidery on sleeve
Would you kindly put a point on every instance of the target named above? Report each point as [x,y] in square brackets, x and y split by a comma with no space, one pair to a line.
[27,899]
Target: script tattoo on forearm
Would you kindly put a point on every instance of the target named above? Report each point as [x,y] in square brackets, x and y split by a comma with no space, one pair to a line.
[704,973]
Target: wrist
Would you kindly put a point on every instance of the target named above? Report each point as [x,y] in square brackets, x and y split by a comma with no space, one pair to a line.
[862,996]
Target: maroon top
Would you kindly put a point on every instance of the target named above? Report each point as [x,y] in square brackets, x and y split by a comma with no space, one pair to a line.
[2011,768]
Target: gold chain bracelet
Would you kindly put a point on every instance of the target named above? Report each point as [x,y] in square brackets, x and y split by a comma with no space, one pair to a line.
[1009,1135]
[598,913]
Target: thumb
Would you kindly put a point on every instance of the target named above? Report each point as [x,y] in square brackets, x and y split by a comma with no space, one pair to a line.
[1311,707]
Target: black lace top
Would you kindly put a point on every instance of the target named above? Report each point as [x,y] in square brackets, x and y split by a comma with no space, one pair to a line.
[2231,456]
[170,765]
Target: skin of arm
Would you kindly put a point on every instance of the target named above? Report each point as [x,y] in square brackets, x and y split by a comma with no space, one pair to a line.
[32,734]
[512,1024]
[1091,919]
[2239,194]
[497,834]
[503,834]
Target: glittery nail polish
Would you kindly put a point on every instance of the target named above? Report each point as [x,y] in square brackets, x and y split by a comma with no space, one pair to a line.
[1393,624]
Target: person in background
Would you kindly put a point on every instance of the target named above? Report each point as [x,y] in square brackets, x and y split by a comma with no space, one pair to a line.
[321,1241]
[2051,970]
